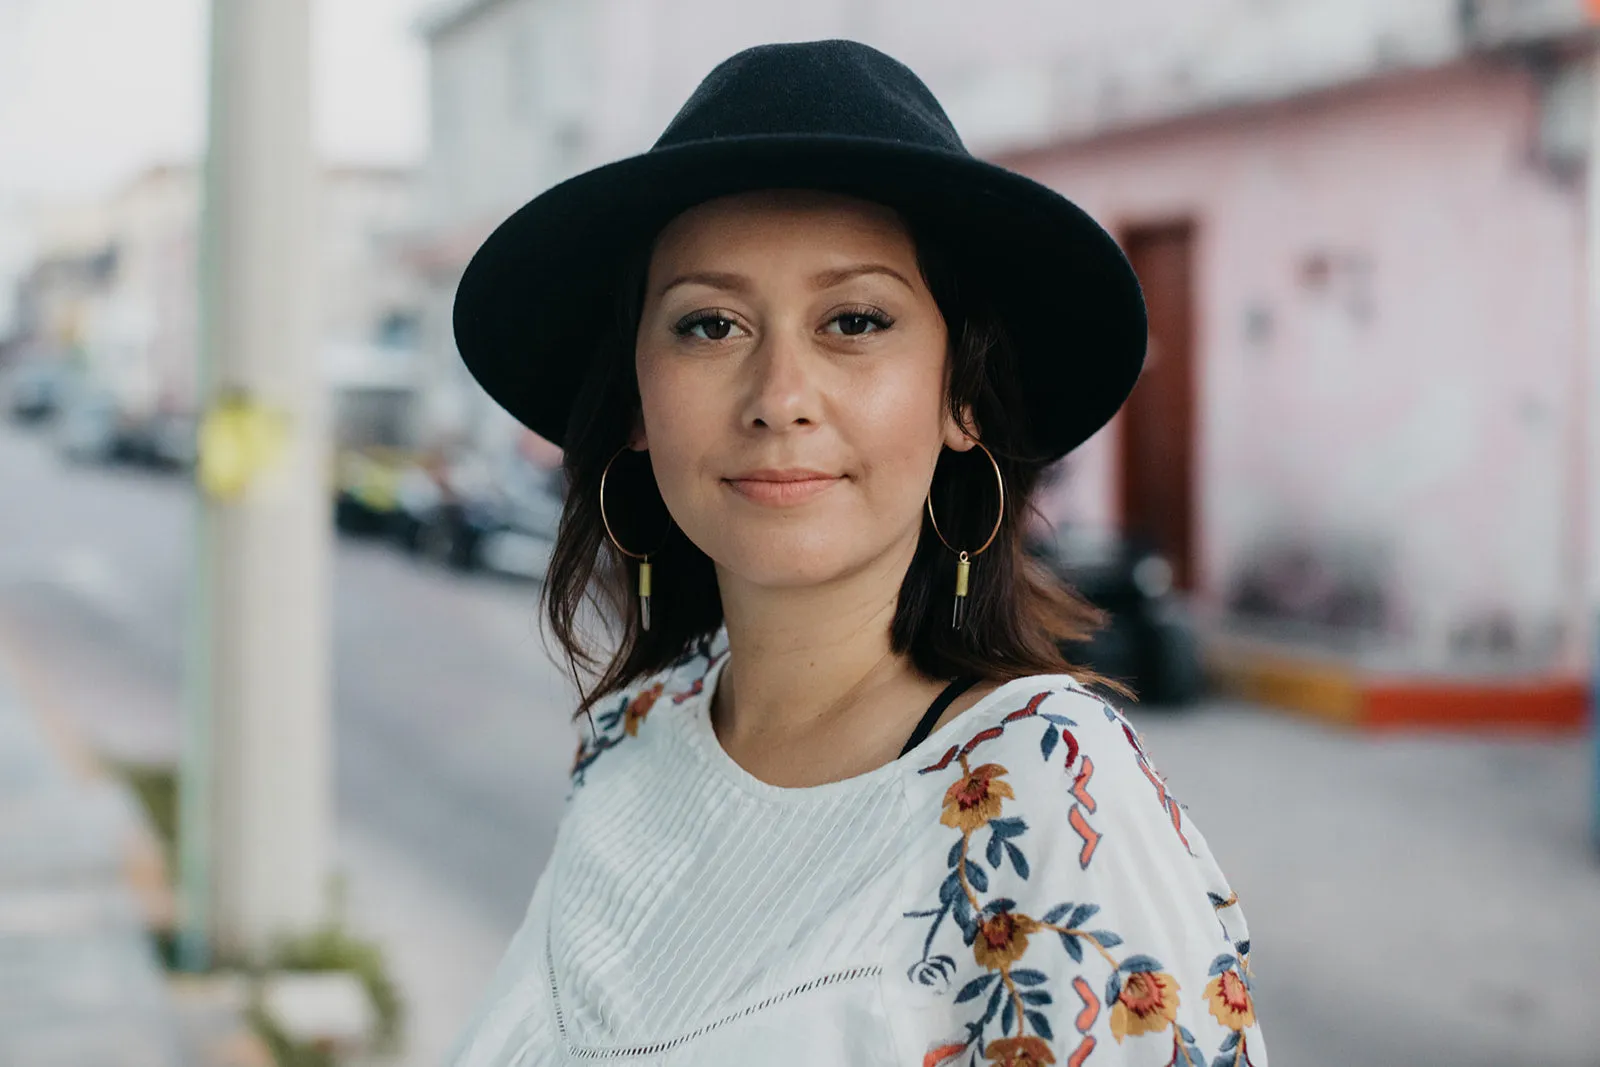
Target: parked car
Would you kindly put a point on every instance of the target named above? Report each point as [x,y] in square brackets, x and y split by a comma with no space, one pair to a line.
[1148,642]
[470,513]
[90,426]
[366,490]
[36,390]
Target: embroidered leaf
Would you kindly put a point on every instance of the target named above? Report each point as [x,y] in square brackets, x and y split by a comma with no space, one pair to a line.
[1222,963]
[1054,914]
[971,990]
[1113,988]
[993,852]
[1019,862]
[1183,1032]
[950,890]
[1243,947]
[1059,720]
[1139,964]
[1047,743]
[1028,976]
[1008,827]
[1036,996]
[1009,1016]
[1230,1041]
[1224,1060]
[955,855]
[1217,901]
[975,875]
[1084,913]
[1041,1025]
[1106,938]
[994,1006]
[1074,949]
[998,905]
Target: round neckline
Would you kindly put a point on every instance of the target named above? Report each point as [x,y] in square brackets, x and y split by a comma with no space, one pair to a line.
[704,738]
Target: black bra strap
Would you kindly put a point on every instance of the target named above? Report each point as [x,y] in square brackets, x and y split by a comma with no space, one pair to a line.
[940,702]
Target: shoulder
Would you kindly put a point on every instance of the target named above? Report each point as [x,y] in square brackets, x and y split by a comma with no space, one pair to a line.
[620,716]
[1058,869]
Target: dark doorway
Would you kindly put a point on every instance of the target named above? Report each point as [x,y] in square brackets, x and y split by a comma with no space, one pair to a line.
[1158,430]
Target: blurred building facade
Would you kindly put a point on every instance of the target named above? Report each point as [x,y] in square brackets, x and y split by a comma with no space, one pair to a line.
[1361,224]
[115,289]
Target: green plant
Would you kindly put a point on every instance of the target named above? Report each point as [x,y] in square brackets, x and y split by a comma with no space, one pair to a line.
[331,948]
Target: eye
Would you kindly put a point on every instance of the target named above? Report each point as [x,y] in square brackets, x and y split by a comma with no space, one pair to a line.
[705,326]
[859,321]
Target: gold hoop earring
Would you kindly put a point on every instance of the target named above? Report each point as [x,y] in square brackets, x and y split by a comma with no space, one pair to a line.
[963,557]
[642,557]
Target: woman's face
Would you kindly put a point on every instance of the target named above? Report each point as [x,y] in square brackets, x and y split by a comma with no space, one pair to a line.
[791,366]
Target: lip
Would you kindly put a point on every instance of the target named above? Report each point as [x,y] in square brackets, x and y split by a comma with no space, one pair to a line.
[790,485]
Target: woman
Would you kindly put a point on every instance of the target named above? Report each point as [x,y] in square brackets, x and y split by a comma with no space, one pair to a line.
[837,798]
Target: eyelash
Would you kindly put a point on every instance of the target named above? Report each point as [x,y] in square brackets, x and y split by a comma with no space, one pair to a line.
[879,319]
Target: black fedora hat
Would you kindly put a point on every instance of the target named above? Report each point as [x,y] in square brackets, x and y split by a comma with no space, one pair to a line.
[829,115]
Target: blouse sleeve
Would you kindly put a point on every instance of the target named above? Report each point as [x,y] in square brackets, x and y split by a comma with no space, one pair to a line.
[1070,912]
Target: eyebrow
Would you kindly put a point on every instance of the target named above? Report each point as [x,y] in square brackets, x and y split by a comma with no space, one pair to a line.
[738,283]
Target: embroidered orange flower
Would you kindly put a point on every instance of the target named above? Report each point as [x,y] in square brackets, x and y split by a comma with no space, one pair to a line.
[1230,1001]
[639,707]
[975,799]
[1024,1051]
[1002,939]
[1147,1004]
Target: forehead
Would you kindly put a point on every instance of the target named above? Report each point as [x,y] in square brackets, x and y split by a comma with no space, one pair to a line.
[772,226]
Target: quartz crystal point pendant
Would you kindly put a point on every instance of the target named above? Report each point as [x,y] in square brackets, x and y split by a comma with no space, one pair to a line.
[963,568]
[644,593]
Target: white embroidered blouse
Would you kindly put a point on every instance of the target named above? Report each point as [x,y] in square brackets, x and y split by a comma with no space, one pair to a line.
[1020,889]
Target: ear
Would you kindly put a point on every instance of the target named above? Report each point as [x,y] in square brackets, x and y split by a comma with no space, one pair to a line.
[637,438]
[962,435]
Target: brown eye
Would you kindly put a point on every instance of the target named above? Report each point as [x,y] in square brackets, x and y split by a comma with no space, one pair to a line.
[859,323]
[704,327]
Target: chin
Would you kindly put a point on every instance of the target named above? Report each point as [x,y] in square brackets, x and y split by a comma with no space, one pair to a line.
[787,562]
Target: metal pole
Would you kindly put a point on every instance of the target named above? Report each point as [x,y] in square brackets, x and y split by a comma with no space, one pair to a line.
[257,795]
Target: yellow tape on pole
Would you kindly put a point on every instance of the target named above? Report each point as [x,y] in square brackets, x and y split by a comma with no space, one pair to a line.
[238,440]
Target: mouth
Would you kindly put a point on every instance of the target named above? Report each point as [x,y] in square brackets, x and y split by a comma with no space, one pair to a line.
[782,487]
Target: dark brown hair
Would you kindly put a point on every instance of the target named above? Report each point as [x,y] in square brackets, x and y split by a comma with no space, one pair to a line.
[1018,614]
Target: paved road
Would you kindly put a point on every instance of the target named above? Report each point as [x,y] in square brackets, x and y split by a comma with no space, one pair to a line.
[1413,901]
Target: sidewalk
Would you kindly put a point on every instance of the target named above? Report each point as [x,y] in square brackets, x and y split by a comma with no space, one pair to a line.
[79,982]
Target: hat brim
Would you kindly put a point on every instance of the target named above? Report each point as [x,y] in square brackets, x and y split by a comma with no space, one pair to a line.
[528,301]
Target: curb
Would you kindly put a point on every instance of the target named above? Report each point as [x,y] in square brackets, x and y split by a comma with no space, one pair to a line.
[1339,690]
[144,864]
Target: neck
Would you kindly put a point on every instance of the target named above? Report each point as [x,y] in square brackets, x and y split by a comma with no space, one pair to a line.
[803,658]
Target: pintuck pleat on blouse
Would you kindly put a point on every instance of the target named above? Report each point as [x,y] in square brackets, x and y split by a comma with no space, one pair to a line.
[1020,889]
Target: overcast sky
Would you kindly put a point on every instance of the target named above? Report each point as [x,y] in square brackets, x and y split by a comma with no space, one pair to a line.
[93,90]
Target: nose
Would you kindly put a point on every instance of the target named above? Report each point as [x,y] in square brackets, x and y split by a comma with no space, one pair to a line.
[782,388]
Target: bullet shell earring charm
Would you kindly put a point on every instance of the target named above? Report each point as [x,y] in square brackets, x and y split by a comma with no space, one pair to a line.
[645,570]
[964,558]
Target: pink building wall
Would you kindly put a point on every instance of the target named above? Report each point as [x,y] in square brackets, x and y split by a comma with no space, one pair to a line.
[1389,336]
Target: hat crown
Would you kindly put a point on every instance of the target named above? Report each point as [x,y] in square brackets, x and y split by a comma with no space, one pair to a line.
[820,88]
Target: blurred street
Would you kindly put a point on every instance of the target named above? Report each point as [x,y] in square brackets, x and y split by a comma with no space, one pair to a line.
[1413,901]
[451,723]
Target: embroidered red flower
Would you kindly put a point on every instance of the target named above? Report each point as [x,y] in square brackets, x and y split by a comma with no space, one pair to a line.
[1230,1001]
[639,707]
[1147,1004]
[975,798]
[1002,939]
[1026,1051]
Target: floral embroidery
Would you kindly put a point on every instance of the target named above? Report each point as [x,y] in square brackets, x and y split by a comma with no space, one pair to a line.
[1143,996]
[639,707]
[629,713]
[975,799]
[1147,1004]
[1018,1052]
[1230,1001]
